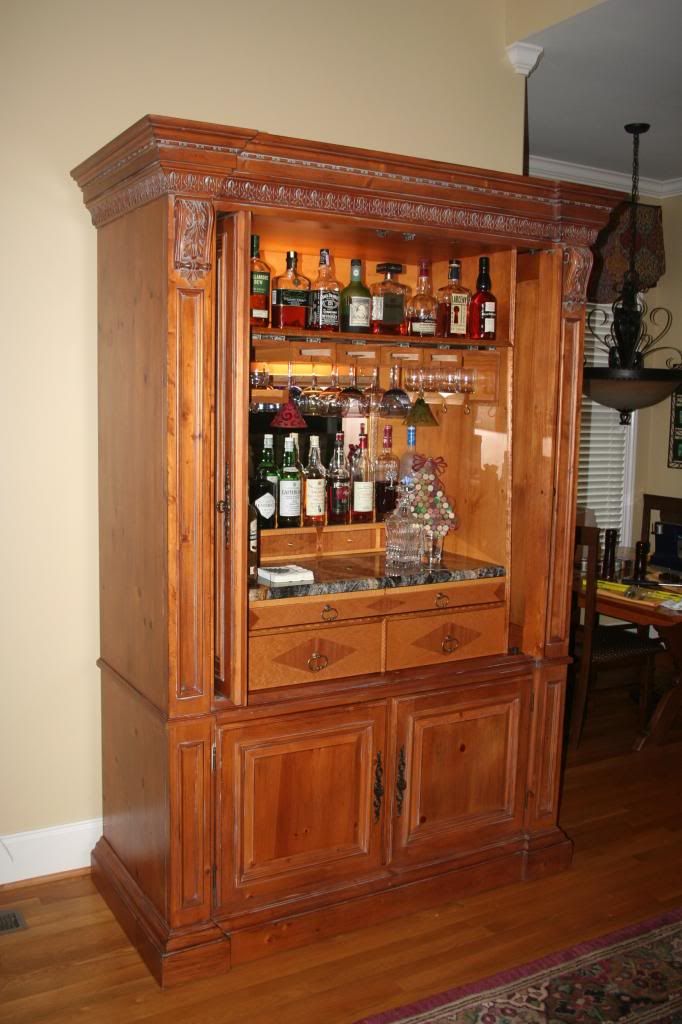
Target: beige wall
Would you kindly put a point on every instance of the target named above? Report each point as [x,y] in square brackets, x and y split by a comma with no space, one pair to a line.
[652,474]
[75,73]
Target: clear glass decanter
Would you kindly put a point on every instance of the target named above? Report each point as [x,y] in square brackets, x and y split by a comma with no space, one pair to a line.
[403,533]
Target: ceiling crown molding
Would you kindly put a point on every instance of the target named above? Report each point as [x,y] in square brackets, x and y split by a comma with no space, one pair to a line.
[524,57]
[546,167]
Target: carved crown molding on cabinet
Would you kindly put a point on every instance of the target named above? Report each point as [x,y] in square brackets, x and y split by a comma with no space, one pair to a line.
[193,238]
[285,195]
[577,266]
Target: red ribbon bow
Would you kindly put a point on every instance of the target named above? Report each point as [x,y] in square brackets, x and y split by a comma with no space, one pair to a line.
[437,465]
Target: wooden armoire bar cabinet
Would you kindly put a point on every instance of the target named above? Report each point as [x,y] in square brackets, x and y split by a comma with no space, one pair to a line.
[281,764]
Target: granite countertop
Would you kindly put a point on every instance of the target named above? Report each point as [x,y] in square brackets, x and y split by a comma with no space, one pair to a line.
[344,574]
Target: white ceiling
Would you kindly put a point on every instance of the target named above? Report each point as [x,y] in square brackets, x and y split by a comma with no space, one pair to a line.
[618,62]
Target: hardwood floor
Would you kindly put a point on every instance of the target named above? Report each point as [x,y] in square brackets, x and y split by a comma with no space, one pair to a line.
[622,809]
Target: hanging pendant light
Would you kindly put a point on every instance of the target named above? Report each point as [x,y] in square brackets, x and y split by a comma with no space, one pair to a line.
[626,384]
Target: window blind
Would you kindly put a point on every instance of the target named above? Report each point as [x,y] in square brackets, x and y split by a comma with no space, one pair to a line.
[605,466]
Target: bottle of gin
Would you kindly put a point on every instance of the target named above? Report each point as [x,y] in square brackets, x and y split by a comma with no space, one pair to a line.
[338,486]
[259,292]
[325,293]
[355,302]
[289,488]
[265,486]
[315,486]
[422,308]
[290,296]
[386,466]
[388,301]
[362,510]
[483,311]
[453,305]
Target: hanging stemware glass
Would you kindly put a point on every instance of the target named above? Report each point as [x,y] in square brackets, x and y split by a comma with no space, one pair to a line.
[395,403]
[420,414]
[332,393]
[466,385]
[353,402]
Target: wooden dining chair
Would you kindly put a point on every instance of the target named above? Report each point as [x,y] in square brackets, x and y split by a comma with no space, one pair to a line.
[596,647]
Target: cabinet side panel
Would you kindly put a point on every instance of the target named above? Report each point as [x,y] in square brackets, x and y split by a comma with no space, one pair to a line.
[132,430]
[135,786]
[536,376]
[191,803]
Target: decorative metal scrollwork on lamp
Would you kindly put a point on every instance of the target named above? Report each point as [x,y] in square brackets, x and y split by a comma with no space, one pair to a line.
[635,332]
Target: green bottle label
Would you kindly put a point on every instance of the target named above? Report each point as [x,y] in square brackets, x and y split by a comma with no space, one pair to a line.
[260,282]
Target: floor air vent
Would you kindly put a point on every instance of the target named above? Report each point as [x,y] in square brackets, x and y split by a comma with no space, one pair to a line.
[11,921]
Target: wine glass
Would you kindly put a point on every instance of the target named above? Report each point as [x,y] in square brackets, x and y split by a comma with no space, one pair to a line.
[395,403]
[466,385]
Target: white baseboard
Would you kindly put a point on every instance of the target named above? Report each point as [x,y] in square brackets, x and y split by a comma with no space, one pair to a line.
[47,851]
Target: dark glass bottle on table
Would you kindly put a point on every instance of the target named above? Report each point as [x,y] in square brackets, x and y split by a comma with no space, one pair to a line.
[290,296]
[483,307]
[265,486]
[453,305]
[355,302]
[641,553]
[362,510]
[608,568]
[338,486]
[389,298]
[259,293]
[325,297]
[289,488]
[386,467]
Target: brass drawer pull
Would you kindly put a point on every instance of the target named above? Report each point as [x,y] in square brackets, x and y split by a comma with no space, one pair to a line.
[317,661]
[329,613]
[449,644]
[442,600]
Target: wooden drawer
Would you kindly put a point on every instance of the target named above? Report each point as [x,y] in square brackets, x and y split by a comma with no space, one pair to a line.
[355,539]
[311,351]
[400,355]
[438,638]
[288,543]
[298,611]
[440,596]
[313,655]
[362,354]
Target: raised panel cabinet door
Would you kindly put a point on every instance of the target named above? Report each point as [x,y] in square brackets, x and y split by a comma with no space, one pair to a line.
[300,805]
[460,771]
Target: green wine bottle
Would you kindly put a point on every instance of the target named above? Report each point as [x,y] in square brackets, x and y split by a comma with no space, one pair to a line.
[356,302]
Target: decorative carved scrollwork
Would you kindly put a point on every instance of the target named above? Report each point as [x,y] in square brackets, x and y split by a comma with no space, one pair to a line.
[378,787]
[401,782]
[193,237]
[577,266]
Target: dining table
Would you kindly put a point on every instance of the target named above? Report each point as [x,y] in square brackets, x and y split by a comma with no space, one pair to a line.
[650,605]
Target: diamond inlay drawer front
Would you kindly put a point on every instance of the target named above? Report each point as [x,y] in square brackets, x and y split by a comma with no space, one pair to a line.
[312,655]
[433,639]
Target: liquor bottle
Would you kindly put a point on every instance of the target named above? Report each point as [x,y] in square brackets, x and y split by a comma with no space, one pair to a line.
[483,307]
[386,466]
[608,569]
[355,302]
[265,487]
[406,468]
[289,488]
[338,486]
[290,296]
[254,547]
[354,449]
[315,485]
[297,453]
[422,307]
[259,297]
[453,305]
[362,510]
[325,297]
[389,298]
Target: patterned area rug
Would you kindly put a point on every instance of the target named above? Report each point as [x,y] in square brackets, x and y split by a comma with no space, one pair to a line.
[634,976]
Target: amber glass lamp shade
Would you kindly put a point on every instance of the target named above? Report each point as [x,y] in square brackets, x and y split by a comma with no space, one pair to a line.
[628,390]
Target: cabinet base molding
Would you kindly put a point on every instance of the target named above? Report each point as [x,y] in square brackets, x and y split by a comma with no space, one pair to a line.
[173,957]
[547,855]
[302,929]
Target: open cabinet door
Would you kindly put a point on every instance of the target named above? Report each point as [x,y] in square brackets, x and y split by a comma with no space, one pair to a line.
[232,446]
[547,381]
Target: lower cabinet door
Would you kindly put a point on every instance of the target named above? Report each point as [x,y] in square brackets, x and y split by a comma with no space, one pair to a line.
[300,805]
[460,770]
